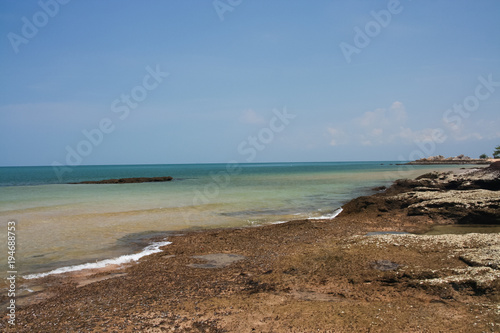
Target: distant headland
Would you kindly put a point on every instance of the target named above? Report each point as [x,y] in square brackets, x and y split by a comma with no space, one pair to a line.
[460,159]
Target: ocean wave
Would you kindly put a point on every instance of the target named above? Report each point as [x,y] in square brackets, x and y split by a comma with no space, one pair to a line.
[322,217]
[328,216]
[150,249]
[279,222]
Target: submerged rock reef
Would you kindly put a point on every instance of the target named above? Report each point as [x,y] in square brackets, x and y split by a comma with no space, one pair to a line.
[128,180]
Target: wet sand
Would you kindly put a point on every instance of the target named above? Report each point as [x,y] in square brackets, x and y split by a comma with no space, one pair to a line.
[300,276]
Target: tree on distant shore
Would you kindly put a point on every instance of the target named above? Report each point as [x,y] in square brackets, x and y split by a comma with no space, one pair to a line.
[483,156]
[496,153]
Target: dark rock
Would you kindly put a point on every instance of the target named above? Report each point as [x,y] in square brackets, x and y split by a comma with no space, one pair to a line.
[495,166]
[366,204]
[430,175]
[291,270]
[379,188]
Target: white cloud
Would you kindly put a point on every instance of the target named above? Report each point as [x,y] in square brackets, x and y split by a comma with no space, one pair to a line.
[251,117]
[467,130]
[378,127]
[337,136]
[383,118]
[366,143]
[390,125]
[371,117]
[399,111]
[426,134]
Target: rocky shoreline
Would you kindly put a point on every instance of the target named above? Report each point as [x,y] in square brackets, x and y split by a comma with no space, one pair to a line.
[361,272]
[467,196]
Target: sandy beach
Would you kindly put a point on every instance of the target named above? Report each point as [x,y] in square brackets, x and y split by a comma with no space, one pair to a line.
[360,272]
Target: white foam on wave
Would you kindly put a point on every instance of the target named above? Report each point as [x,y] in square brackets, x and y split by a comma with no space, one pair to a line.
[328,216]
[279,222]
[323,217]
[150,249]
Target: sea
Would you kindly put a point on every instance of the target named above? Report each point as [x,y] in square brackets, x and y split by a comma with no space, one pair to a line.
[61,227]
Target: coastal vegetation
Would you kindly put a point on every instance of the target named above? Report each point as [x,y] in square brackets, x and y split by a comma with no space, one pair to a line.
[496,153]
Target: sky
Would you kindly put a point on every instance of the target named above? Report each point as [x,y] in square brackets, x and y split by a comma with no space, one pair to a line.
[187,81]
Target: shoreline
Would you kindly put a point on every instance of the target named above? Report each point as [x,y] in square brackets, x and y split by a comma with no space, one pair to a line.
[301,275]
[152,241]
[152,248]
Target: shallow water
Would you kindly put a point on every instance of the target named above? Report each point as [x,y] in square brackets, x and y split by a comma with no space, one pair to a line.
[60,224]
[460,229]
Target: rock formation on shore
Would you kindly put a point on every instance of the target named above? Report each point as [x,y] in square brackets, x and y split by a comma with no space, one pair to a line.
[128,180]
[470,196]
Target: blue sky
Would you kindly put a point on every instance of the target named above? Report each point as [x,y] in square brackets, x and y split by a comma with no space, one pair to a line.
[139,82]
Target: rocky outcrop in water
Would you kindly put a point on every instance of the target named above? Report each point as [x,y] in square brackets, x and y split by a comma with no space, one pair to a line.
[128,180]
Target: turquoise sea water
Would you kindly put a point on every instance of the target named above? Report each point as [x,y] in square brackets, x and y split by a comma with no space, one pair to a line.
[60,224]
